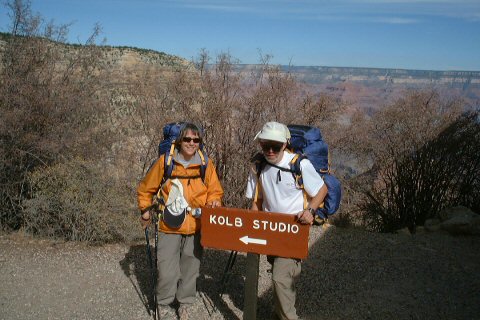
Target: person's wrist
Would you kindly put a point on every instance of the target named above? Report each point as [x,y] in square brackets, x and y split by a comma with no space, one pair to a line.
[311,210]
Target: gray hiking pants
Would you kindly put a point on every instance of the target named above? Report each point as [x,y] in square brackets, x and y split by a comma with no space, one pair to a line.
[178,267]
[284,272]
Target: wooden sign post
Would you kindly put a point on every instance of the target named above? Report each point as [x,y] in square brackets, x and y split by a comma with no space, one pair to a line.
[254,231]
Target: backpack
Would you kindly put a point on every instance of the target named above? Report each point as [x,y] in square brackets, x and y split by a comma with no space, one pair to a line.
[307,142]
[171,132]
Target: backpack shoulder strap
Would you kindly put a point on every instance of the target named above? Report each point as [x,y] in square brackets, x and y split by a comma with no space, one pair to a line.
[296,170]
[203,165]
[259,162]
[168,163]
[294,165]
[297,175]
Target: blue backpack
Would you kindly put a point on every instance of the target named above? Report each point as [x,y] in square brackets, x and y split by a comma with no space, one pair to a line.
[171,132]
[307,142]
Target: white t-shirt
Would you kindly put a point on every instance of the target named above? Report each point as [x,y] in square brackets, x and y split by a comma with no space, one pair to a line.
[278,189]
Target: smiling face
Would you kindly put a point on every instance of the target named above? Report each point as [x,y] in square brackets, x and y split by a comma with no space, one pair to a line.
[272,150]
[189,144]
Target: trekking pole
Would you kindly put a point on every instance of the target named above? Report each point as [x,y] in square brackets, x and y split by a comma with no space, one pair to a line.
[155,279]
[152,273]
[228,271]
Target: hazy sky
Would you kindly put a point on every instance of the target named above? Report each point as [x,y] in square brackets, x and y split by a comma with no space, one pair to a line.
[408,34]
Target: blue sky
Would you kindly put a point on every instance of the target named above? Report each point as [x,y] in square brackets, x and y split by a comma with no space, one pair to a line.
[406,34]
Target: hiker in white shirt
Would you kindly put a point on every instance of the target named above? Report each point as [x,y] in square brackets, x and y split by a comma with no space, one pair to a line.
[273,188]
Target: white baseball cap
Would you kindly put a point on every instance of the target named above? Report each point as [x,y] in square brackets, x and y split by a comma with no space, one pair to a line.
[274,131]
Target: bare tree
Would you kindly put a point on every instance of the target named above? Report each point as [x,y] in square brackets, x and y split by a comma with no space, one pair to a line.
[412,176]
[49,103]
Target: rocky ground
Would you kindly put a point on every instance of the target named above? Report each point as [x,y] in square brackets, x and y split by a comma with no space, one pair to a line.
[350,274]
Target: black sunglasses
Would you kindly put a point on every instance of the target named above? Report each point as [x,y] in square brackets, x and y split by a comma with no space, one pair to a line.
[188,139]
[276,147]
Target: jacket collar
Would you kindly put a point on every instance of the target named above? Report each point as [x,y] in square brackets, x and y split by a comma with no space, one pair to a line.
[196,160]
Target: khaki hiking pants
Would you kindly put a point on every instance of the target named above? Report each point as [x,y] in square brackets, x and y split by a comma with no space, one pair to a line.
[178,267]
[284,273]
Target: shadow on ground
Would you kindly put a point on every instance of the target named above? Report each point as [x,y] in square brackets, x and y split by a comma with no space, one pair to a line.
[349,274]
[136,267]
[353,274]
[214,281]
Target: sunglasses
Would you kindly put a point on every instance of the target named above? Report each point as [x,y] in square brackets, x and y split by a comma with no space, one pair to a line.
[188,139]
[276,147]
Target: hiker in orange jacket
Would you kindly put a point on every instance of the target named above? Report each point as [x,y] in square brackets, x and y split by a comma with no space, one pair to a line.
[179,251]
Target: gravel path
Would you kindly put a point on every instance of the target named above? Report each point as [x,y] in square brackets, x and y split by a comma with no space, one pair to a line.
[350,274]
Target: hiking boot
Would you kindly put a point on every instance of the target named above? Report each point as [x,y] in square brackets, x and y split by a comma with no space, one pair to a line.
[166,312]
[183,312]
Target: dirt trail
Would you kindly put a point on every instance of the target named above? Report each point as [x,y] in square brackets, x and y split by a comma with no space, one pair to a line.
[350,274]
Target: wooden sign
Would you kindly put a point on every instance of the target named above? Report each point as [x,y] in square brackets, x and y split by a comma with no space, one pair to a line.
[254,231]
